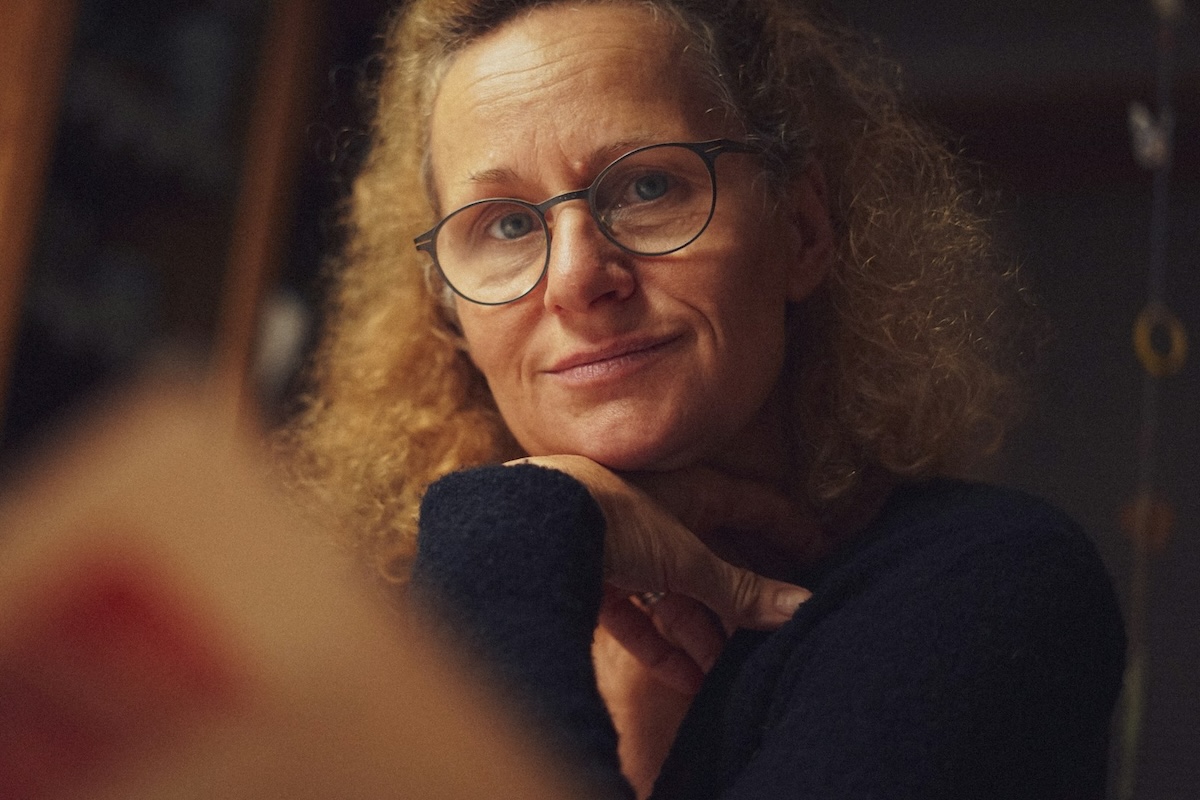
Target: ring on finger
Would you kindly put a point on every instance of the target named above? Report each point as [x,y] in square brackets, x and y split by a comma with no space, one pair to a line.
[650,599]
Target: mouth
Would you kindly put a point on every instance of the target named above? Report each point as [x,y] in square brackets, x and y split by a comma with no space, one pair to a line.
[611,360]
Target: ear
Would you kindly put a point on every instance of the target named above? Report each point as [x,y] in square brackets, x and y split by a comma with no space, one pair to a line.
[807,209]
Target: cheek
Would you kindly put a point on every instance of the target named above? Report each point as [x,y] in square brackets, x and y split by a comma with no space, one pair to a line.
[494,342]
[751,303]
[750,290]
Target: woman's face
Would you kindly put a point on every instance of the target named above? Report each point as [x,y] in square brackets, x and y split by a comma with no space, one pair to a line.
[636,362]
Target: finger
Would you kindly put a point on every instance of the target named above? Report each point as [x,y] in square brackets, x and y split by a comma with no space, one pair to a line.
[741,597]
[691,626]
[630,626]
[647,549]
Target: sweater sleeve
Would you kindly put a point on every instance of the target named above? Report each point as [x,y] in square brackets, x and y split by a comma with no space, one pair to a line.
[510,560]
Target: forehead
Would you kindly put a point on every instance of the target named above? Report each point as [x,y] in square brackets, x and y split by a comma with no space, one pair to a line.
[568,80]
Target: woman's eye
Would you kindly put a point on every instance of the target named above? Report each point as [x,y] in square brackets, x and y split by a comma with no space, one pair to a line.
[511,226]
[650,187]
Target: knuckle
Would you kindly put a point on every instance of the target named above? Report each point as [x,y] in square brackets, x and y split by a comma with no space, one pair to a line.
[745,589]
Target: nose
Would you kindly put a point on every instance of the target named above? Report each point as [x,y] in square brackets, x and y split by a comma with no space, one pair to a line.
[585,267]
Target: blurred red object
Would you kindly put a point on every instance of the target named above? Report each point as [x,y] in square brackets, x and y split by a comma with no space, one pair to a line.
[169,627]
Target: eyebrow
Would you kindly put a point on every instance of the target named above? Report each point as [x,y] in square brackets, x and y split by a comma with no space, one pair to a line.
[493,175]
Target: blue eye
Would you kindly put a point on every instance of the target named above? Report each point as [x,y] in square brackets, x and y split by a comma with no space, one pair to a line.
[652,186]
[512,226]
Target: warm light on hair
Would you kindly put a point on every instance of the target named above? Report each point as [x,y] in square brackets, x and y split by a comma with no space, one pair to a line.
[901,360]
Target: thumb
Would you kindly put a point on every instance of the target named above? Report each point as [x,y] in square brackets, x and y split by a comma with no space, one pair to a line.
[742,598]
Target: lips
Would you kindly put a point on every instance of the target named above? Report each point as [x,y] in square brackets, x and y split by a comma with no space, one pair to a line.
[599,361]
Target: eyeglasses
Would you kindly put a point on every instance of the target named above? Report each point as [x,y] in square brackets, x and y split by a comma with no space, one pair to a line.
[650,202]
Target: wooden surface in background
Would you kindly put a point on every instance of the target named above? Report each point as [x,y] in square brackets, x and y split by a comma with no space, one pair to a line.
[285,84]
[35,38]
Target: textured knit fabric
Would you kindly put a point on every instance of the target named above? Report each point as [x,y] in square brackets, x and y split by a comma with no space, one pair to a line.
[966,645]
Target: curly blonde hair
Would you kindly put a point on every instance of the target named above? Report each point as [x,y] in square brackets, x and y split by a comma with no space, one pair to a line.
[899,361]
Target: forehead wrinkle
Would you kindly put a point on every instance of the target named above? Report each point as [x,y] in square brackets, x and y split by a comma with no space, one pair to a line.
[592,162]
[530,52]
[499,88]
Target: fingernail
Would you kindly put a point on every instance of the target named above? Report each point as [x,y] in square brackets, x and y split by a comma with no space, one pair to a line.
[788,600]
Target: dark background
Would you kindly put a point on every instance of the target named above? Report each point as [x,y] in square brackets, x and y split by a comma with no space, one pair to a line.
[137,217]
[1040,92]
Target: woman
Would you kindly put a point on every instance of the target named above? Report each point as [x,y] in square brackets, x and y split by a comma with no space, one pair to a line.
[690,266]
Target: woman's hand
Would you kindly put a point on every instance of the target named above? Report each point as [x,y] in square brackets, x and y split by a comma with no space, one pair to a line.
[649,550]
[670,601]
[645,709]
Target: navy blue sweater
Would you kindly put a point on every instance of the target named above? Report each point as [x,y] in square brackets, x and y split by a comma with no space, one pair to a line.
[967,645]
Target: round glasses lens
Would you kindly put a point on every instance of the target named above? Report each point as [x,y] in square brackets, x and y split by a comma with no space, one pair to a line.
[492,251]
[655,200]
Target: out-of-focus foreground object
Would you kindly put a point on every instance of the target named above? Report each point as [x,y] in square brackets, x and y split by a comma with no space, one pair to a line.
[168,629]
